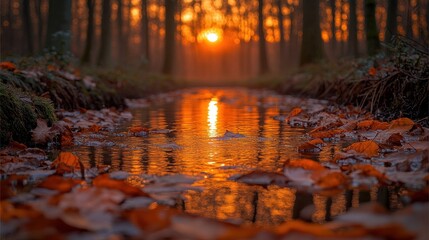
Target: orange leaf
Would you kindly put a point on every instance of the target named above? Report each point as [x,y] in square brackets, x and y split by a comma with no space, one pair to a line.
[402,123]
[369,170]
[317,142]
[372,125]
[138,129]
[372,71]
[153,219]
[304,163]
[59,183]
[308,147]
[295,112]
[106,182]
[9,211]
[66,162]
[366,148]
[327,134]
[8,66]
[332,180]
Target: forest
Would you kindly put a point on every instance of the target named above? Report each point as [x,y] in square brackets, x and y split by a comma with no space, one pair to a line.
[214,119]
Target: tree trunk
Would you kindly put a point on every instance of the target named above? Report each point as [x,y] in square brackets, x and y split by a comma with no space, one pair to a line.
[28,26]
[333,27]
[170,35]
[86,57]
[392,25]
[106,41]
[282,44]
[372,40]
[120,34]
[409,22]
[145,31]
[40,23]
[311,47]
[263,61]
[58,36]
[353,40]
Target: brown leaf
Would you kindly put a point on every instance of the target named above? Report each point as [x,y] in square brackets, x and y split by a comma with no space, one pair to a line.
[304,163]
[137,129]
[66,162]
[106,182]
[42,134]
[372,125]
[366,148]
[308,147]
[59,183]
[332,180]
[395,139]
[402,123]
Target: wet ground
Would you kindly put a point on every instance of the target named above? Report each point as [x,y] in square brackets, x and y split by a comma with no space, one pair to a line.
[187,129]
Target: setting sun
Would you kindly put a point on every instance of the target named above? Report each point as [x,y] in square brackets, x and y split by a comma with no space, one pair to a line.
[212,37]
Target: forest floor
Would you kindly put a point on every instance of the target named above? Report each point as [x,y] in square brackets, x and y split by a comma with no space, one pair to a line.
[382,107]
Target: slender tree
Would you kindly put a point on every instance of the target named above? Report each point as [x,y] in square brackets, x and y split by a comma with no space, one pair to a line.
[391,25]
[333,28]
[372,40]
[28,26]
[263,61]
[409,22]
[170,35]
[106,41]
[282,43]
[120,33]
[145,31]
[86,57]
[352,38]
[59,25]
[311,47]
[40,23]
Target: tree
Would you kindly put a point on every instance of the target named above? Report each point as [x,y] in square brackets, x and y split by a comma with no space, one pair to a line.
[26,19]
[40,23]
[120,34]
[58,35]
[86,57]
[372,40]
[106,41]
[170,35]
[311,47]
[353,40]
[145,31]
[391,25]
[263,61]
[333,28]
[282,44]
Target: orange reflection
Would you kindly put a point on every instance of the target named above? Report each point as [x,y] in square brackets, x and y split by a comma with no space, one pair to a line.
[212,117]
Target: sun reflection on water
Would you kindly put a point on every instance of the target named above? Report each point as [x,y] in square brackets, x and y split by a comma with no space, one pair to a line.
[212,117]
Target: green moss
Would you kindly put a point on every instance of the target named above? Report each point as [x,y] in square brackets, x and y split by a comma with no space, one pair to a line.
[19,112]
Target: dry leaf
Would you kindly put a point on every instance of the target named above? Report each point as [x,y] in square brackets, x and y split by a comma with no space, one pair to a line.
[372,125]
[304,163]
[369,170]
[395,139]
[66,162]
[59,183]
[106,182]
[402,123]
[295,112]
[8,66]
[308,147]
[332,180]
[154,219]
[365,148]
[42,134]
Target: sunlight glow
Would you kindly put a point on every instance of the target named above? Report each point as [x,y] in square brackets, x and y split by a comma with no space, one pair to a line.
[212,37]
[212,117]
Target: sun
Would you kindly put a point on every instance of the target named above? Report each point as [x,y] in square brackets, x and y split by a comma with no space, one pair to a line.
[212,37]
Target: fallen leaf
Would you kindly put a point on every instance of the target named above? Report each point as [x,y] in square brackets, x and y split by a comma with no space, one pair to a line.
[327,134]
[300,171]
[137,129]
[332,180]
[308,147]
[303,163]
[395,139]
[372,125]
[153,219]
[295,112]
[128,189]
[402,123]
[366,148]
[42,134]
[372,71]
[369,170]
[66,162]
[8,211]
[8,66]
[59,183]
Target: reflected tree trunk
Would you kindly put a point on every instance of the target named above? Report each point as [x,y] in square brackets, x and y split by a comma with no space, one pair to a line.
[263,61]
[170,35]
[311,47]
[372,40]
[392,26]
[105,44]
[86,57]
[28,26]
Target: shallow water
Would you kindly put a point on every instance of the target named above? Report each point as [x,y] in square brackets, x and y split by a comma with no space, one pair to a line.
[198,117]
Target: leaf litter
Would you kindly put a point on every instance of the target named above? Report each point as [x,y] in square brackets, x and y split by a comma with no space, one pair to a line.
[70,197]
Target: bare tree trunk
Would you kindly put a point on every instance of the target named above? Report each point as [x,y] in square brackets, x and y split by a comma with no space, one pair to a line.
[282,43]
[40,23]
[353,40]
[145,31]
[106,41]
[120,34]
[59,24]
[311,48]
[86,57]
[409,22]
[372,40]
[28,26]
[170,35]
[392,25]
[263,61]
[333,27]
